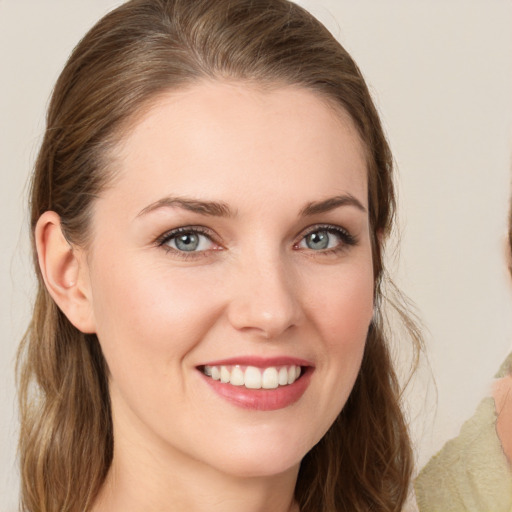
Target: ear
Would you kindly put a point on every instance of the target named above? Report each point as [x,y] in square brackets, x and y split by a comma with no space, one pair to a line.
[65,272]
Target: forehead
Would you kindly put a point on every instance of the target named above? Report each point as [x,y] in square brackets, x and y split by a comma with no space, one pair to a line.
[236,139]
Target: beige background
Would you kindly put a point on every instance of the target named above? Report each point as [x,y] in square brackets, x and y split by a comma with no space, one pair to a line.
[441,74]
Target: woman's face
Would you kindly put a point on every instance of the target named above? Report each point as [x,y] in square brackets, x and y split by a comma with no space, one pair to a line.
[231,253]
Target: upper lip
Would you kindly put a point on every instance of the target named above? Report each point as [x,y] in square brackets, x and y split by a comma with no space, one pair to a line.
[259,362]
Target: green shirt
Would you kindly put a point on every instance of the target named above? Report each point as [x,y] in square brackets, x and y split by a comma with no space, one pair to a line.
[471,472]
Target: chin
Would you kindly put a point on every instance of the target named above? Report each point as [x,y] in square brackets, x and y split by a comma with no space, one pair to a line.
[262,457]
[259,467]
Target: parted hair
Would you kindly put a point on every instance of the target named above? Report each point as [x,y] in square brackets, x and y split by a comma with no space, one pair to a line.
[136,52]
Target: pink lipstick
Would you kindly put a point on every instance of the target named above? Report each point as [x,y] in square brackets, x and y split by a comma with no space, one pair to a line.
[263,384]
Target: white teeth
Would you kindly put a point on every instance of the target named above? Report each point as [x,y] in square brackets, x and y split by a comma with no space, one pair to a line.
[237,376]
[215,373]
[269,379]
[252,377]
[291,374]
[224,374]
[283,376]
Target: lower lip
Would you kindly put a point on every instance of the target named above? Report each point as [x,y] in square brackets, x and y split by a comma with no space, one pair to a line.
[262,399]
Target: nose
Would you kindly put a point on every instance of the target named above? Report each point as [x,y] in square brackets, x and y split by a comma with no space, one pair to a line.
[264,300]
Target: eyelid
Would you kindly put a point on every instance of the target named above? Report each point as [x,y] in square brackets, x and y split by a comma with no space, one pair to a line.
[162,240]
[323,226]
[347,238]
[164,237]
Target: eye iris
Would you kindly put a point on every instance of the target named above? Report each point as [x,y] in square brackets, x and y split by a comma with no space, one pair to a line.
[187,242]
[318,240]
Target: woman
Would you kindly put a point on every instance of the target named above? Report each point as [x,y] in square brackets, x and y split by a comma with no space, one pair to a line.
[209,208]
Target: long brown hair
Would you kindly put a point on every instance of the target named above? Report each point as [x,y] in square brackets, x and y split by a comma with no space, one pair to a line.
[137,51]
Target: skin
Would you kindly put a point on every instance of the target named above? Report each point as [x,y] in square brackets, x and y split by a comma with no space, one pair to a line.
[502,388]
[502,394]
[254,289]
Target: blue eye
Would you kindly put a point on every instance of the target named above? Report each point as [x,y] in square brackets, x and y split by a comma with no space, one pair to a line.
[326,238]
[187,240]
[319,240]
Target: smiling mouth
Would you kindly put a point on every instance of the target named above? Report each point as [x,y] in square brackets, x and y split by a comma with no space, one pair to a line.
[252,377]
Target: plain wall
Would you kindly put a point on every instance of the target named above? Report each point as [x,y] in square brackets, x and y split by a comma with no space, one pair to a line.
[441,75]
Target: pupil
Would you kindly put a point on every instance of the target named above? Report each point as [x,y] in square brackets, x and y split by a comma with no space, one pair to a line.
[187,242]
[318,240]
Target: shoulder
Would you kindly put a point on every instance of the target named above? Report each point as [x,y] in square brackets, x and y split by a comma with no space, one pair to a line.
[470,472]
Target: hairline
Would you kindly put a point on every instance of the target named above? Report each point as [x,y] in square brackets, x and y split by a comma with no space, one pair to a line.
[113,142]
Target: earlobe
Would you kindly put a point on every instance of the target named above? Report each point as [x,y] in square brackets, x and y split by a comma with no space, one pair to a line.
[64,271]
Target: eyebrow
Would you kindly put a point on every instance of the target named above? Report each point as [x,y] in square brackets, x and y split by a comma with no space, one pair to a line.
[220,209]
[211,208]
[330,204]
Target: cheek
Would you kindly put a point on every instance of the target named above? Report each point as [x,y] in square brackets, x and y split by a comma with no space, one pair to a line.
[145,316]
[343,309]
[342,315]
[148,323]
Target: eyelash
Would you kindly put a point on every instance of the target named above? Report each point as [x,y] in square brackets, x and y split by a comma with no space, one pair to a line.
[347,240]
[162,241]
